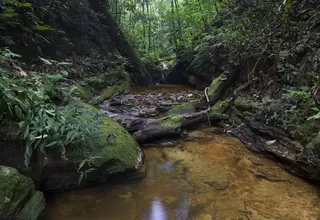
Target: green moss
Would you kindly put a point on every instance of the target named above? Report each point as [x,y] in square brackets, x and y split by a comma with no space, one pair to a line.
[114,146]
[117,145]
[33,208]
[172,122]
[243,104]
[81,92]
[15,191]
[220,108]
[215,91]
[107,94]
[182,109]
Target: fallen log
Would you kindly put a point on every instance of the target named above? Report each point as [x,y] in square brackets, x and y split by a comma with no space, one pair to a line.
[144,130]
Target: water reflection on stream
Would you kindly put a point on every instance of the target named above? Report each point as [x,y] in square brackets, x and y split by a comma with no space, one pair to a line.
[211,177]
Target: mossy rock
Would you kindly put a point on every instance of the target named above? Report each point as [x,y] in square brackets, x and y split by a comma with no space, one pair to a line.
[107,94]
[243,104]
[184,108]
[33,208]
[115,152]
[120,148]
[16,193]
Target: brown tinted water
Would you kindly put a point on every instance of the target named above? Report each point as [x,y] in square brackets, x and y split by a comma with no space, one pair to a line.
[210,177]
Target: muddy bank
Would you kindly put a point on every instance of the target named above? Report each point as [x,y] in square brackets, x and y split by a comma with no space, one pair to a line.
[208,177]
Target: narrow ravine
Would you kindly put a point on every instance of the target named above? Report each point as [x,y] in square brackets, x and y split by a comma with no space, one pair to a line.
[209,176]
[159,110]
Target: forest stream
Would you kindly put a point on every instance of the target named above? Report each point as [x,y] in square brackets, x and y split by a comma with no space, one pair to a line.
[159,110]
[208,175]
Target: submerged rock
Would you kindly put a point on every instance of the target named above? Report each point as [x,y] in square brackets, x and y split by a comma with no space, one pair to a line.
[18,198]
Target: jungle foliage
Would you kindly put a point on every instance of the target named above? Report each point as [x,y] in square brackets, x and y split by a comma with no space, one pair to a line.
[28,100]
[273,46]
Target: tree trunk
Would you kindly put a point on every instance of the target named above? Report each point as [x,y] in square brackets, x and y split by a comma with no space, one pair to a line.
[143,23]
[149,26]
[173,26]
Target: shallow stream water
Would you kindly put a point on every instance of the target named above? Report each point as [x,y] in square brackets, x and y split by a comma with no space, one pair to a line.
[211,176]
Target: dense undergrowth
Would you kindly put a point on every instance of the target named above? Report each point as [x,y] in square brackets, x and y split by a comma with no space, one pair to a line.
[273,48]
[48,108]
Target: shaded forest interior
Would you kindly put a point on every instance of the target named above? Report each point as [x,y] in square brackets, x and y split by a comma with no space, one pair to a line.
[67,69]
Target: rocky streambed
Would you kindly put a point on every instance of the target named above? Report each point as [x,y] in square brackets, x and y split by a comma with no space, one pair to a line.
[206,174]
[154,101]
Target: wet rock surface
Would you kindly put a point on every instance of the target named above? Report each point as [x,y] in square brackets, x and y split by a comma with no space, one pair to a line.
[18,197]
[211,177]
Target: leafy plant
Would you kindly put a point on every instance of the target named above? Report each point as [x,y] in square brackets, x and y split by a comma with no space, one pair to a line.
[300,97]
[48,126]
[42,123]
[316,116]
[85,167]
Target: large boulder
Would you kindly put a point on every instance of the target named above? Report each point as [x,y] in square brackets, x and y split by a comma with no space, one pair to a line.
[18,198]
[115,152]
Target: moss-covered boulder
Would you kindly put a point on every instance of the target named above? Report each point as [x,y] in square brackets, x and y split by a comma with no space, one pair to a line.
[115,152]
[184,108]
[18,197]
[122,150]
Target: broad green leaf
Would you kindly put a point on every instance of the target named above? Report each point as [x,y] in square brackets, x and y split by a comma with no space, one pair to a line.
[64,64]
[81,164]
[17,89]
[45,61]
[18,112]
[51,144]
